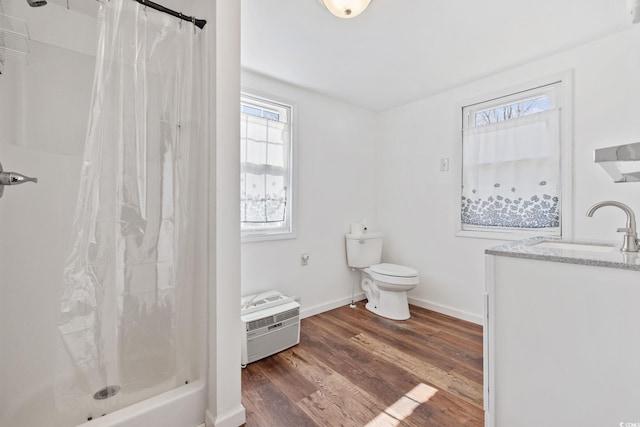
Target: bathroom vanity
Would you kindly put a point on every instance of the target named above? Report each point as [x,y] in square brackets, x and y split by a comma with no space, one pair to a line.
[562,335]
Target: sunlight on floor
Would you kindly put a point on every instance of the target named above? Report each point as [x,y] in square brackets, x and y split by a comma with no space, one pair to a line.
[403,407]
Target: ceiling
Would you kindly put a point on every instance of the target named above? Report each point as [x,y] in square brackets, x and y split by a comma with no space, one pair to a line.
[399,51]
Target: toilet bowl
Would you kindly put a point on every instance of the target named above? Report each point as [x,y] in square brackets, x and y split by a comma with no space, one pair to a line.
[385,285]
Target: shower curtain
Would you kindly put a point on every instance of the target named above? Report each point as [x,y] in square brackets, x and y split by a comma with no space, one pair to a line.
[125,308]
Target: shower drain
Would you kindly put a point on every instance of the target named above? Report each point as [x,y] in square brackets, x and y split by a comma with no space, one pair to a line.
[106,392]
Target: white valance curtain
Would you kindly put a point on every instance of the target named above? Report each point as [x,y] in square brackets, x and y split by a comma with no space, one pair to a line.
[125,309]
[511,173]
[264,169]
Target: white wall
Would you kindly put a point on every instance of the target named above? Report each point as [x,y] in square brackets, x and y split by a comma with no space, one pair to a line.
[335,185]
[224,406]
[419,221]
[44,108]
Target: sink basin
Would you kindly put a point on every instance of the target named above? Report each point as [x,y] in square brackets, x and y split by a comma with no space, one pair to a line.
[583,247]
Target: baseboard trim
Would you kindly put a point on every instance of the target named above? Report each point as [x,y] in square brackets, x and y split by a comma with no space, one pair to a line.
[321,308]
[233,418]
[445,309]
[430,305]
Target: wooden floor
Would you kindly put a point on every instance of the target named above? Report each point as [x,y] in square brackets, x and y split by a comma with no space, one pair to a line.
[353,368]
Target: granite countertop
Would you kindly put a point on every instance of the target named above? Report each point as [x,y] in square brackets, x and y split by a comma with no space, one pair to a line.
[597,254]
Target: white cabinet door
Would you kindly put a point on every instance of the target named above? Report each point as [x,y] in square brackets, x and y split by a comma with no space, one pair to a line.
[563,344]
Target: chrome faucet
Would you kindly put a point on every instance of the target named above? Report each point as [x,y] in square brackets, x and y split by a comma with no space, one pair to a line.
[630,243]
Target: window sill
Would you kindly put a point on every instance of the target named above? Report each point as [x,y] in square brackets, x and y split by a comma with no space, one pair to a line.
[266,237]
[504,235]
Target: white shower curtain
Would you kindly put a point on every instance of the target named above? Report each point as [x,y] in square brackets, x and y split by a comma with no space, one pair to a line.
[125,307]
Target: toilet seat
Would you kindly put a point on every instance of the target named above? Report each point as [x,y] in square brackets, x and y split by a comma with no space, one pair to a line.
[394,270]
[393,274]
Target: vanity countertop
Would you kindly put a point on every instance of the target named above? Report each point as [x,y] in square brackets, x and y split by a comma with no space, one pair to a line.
[572,253]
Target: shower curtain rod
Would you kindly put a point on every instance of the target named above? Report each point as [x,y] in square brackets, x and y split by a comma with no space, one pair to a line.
[200,23]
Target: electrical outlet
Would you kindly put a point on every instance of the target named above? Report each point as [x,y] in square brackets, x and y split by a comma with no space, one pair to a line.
[304,259]
[444,164]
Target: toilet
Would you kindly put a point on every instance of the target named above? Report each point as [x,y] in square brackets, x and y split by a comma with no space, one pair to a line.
[385,285]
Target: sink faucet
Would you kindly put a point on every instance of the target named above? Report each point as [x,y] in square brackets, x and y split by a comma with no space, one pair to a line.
[630,243]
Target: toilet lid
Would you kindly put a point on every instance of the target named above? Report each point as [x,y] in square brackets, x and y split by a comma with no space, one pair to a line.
[394,270]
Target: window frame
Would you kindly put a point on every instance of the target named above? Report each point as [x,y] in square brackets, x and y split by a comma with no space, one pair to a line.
[248,96]
[499,97]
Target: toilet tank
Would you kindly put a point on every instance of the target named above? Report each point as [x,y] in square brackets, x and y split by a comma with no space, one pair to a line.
[364,250]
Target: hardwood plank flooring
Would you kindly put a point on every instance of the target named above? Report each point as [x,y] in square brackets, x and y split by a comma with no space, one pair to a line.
[353,368]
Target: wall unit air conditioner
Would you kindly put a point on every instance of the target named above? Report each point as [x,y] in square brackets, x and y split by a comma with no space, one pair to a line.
[270,324]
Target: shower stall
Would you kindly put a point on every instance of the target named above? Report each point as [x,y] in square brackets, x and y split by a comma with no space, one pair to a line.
[104,262]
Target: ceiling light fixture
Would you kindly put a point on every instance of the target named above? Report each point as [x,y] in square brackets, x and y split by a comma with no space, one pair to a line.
[346,8]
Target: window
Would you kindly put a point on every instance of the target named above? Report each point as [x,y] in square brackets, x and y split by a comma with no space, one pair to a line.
[513,157]
[265,169]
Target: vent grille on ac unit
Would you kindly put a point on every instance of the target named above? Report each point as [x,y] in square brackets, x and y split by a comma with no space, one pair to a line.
[270,320]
